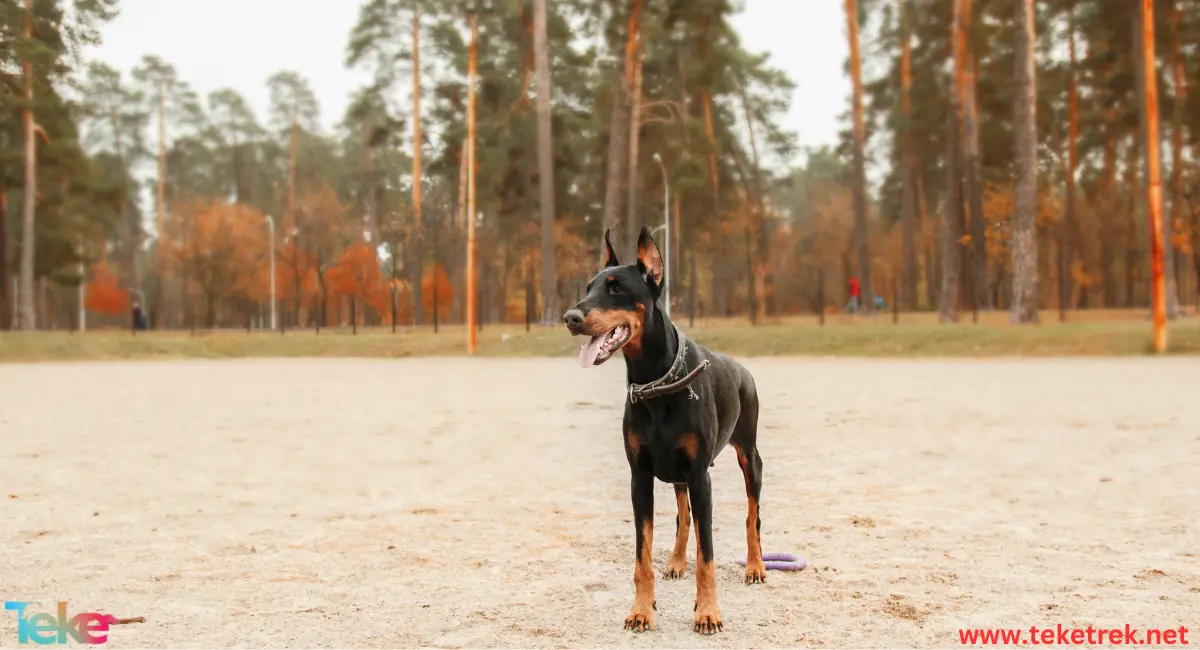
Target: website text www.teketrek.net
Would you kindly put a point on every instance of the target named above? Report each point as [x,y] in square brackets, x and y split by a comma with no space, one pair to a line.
[1060,635]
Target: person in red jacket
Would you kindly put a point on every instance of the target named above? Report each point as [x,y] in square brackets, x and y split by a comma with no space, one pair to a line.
[852,306]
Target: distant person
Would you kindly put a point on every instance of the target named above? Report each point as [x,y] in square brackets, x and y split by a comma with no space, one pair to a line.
[852,305]
[139,318]
[880,305]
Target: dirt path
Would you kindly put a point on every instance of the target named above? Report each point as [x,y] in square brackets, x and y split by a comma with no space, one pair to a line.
[485,503]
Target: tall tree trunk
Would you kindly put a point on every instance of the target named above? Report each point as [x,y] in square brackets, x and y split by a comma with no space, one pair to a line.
[240,195]
[1073,237]
[908,206]
[156,304]
[128,226]
[983,298]
[460,223]
[5,278]
[1133,189]
[81,311]
[860,179]
[293,152]
[758,242]
[929,233]
[1059,232]
[418,225]
[1108,207]
[541,57]
[1024,236]
[370,214]
[631,178]
[964,76]
[25,311]
[952,226]
[1179,81]
[710,133]
[1160,273]
[618,132]
[472,292]
[161,184]
[678,242]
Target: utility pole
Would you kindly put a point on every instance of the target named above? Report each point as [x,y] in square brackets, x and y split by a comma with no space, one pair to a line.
[1153,180]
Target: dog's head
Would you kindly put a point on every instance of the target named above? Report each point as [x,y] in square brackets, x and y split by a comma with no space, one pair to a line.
[619,302]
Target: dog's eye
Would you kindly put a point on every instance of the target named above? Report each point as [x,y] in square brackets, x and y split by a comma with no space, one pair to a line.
[614,289]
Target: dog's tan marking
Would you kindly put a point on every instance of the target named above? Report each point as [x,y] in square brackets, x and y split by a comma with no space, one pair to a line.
[633,348]
[677,563]
[641,615]
[707,618]
[689,444]
[756,571]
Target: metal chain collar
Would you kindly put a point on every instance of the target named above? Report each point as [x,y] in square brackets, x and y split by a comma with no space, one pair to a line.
[676,379]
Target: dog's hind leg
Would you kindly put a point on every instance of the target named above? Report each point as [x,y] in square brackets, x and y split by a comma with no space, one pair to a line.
[677,564]
[745,442]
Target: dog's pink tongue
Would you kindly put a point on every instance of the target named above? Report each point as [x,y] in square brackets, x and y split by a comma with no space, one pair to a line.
[589,352]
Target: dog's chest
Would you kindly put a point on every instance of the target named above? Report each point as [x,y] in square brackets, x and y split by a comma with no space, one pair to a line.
[669,447]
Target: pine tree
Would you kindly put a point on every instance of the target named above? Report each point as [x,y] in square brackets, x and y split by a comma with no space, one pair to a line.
[1024,250]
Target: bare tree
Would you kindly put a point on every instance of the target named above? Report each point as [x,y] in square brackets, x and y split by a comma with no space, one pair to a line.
[25,313]
[472,294]
[952,227]
[1024,237]
[417,223]
[860,180]
[618,133]
[541,54]
[965,64]
[908,207]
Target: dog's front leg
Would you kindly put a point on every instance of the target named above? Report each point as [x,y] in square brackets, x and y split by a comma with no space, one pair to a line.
[641,615]
[707,619]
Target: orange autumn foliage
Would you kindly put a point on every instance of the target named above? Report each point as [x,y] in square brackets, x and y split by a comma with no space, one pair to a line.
[573,260]
[356,274]
[295,276]
[103,293]
[445,292]
[221,250]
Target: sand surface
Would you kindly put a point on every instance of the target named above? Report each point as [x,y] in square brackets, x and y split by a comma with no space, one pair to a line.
[461,503]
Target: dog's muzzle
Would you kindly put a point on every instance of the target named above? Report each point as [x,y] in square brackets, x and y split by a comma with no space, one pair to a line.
[574,320]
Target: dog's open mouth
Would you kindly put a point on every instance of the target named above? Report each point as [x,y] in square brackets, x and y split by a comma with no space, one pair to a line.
[603,346]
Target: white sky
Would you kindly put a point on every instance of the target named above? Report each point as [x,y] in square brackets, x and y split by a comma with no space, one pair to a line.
[239,43]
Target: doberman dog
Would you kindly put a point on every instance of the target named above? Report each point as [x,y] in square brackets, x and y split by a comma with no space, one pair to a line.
[683,406]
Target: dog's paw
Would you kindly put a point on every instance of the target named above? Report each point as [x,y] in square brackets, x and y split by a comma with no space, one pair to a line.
[756,573]
[641,618]
[676,568]
[707,620]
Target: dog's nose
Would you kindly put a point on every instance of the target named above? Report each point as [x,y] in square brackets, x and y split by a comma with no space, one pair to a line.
[573,318]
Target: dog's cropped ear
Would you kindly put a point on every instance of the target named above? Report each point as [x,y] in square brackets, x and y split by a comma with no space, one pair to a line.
[610,256]
[650,261]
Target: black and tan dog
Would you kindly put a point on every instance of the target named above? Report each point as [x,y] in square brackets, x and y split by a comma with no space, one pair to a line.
[684,404]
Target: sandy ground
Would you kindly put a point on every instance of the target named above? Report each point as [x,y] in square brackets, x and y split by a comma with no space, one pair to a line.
[485,503]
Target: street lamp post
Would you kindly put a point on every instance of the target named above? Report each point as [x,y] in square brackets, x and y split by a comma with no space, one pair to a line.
[666,235]
[271,225]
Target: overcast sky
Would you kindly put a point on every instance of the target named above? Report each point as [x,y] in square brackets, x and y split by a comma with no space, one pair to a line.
[239,43]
